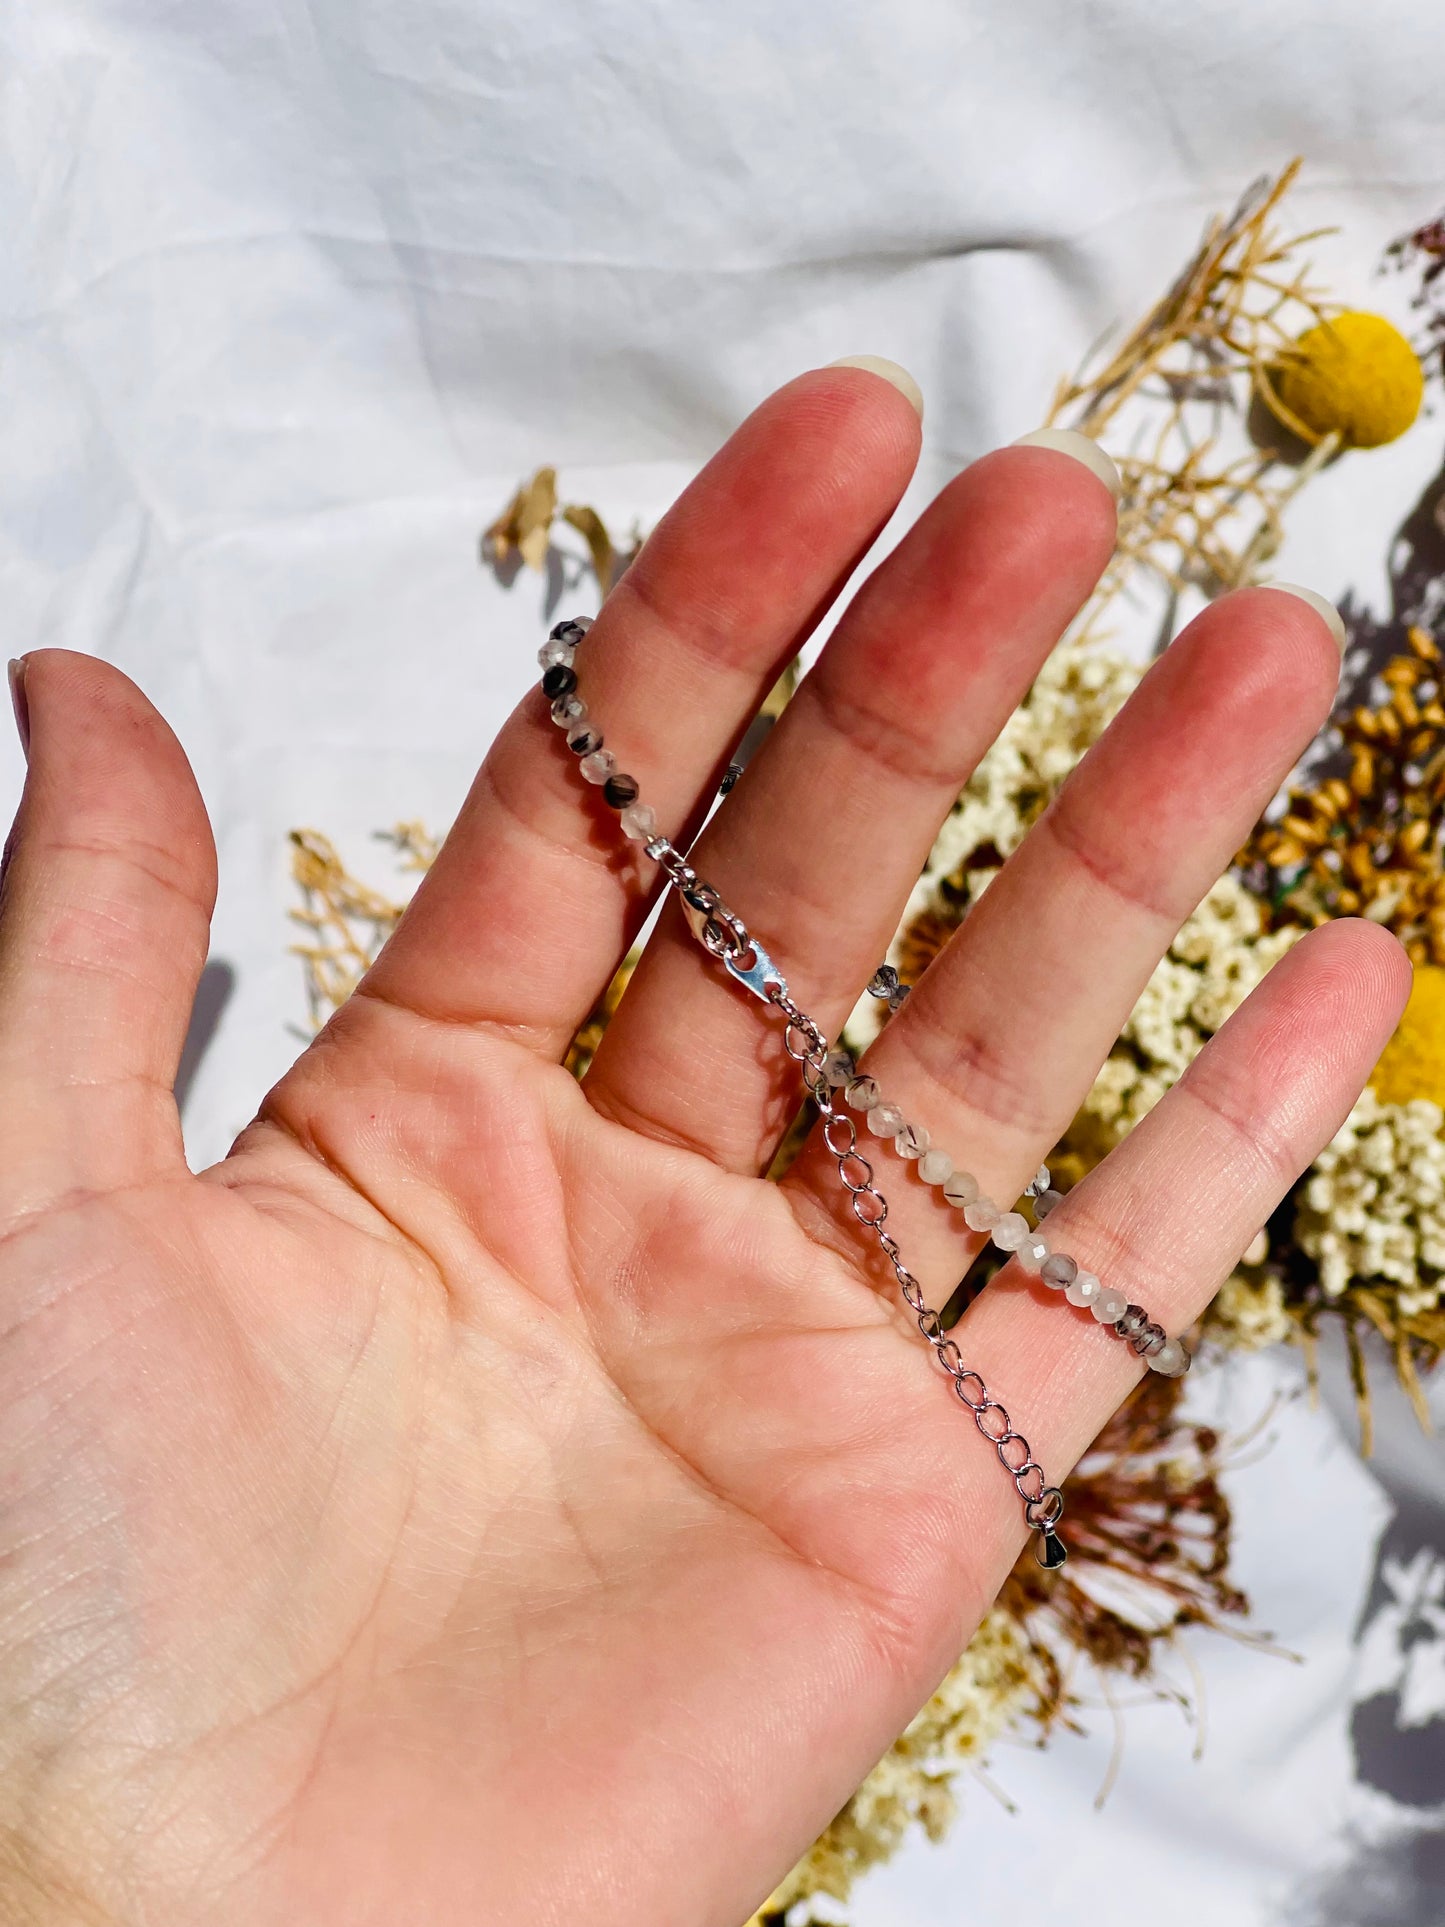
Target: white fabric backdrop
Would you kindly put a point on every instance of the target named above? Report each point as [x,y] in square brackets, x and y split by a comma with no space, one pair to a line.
[291,295]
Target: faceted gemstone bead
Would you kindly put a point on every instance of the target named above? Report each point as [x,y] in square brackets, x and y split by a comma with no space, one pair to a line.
[1033,1253]
[621,790]
[1045,1201]
[898,996]
[1084,1289]
[1009,1230]
[961,1188]
[568,711]
[1040,1180]
[883,982]
[1109,1305]
[559,680]
[935,1167]
[640,822]
[554,650]
[1149,1341]
[982,1215]
[1131,1320]
[885,1120]
[839,1068]
[1171,1359]
[862,1094]
[912,1141]
[1060,1270]
[570,631]
[598,766]
[583,741]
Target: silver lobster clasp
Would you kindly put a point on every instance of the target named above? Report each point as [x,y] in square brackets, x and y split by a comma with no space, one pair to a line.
[762,976]
[725,936]
[709,918]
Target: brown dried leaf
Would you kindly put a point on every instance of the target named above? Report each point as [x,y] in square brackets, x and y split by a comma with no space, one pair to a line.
[524,526]
[590,526]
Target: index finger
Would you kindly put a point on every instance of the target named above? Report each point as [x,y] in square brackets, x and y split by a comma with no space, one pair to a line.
[724,592]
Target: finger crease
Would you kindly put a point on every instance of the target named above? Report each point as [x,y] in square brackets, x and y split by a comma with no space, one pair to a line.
[1270,1147]
[708,651]
[129,857]
[597,862]
[609,1104]
[890,747]
[972,1059]
[1057,822]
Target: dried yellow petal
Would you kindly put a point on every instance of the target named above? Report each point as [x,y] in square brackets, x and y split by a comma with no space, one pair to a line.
[524,527]
[593,529]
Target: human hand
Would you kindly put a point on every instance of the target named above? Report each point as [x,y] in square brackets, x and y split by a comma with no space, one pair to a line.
[483,1498]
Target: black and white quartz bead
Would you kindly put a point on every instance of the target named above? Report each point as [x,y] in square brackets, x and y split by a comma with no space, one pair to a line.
[596,762]
[1009,1230]
[886,987]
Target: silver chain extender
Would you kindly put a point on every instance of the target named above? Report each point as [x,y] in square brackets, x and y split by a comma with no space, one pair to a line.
[724,935]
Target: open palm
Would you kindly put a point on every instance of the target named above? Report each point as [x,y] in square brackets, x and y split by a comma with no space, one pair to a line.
[481,1497]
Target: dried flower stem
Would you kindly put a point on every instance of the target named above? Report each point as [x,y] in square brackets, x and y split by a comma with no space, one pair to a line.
[1212,338]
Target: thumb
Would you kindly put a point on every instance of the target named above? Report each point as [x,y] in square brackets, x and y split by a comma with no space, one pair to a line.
[105,905]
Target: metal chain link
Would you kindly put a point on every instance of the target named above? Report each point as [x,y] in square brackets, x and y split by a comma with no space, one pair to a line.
[725,936]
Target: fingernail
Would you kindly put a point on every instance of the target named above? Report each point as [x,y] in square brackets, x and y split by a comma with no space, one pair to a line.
[890,371]
[1320,606]
[1068,441]
[16,669]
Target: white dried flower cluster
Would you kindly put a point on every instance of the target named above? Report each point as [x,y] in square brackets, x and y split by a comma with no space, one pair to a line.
[1249,1312]
[1219,955]
[1073,699]
[998,1679]
[1374,1206]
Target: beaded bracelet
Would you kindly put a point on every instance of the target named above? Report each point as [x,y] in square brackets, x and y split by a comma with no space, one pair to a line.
[827,1073]
[1009,1230]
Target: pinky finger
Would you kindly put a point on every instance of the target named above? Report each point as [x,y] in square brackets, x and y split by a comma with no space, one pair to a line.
[1167,1214]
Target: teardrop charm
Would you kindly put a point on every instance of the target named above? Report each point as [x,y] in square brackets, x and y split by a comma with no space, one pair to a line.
[1051,1551]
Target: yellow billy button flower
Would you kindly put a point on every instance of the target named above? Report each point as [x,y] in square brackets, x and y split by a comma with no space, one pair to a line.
[1354,375]
[1413,1063]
